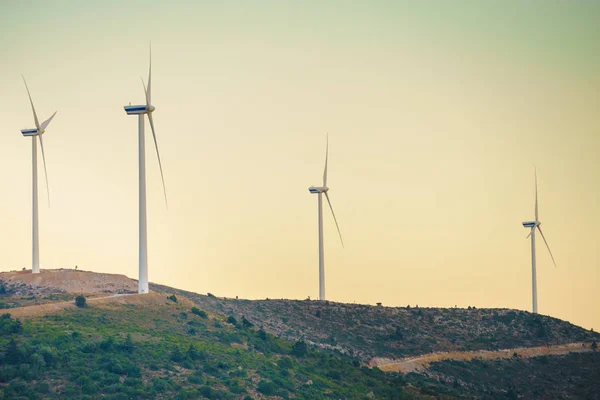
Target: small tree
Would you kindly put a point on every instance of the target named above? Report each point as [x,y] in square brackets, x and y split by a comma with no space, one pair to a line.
[594,345]
[80,301]
[128,344]
[199,312]
[172,298]
[192,353]
[176,354]
[246,323]
[300,349]
[12,354]
[262,334]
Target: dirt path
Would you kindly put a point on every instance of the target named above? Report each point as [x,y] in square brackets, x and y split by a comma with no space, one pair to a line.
[151,299]
[416,364]
[49,308]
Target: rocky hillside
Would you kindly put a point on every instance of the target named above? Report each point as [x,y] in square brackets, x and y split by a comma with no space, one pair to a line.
[173,344]
[394,332]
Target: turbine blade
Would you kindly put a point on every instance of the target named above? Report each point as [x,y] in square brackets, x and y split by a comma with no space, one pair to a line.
[335,219]
[549,251]
[45,170]
[37,123]
[146,93]
[149,96]
[536,195]
[530,232]
[326,157]
[158,155]
[47,122]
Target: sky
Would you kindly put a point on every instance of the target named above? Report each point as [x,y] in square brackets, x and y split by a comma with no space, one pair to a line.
[436,113]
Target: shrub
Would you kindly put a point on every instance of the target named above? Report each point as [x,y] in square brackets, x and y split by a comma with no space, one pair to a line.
[207,392]
[231,319]
[176,354]
[196,380]
[80,301]
[285,363]
[299,349]
[262,334]
[172,298]
[199,312]
[128,344]
[246,323]
[267,388]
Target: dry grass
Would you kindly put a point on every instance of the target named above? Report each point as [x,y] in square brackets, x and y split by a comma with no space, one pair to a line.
[72,281]
[107,302]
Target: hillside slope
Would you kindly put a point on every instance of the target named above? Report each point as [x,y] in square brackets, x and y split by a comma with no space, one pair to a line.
[162,347]
[367,332]
[190,346]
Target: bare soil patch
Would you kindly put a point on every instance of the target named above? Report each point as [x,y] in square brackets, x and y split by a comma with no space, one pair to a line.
[71,281]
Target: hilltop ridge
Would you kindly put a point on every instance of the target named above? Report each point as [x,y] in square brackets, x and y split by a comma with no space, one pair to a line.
[366,332]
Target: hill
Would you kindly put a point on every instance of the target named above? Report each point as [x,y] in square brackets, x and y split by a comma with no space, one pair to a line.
[182,345]
[369,332]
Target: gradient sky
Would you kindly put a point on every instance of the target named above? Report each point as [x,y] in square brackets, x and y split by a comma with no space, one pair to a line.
[436,111]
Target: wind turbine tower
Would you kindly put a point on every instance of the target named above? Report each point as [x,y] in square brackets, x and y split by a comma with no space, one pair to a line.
[320,191]
[34,133]
[140,111]
[533,225]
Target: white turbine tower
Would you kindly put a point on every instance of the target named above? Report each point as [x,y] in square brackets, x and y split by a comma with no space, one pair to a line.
[140,111]
[320,191]
[35,133]
[533,225]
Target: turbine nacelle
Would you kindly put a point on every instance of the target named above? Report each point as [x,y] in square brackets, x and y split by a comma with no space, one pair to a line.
[531,224]
[136,110]
[315,190]
[32,132]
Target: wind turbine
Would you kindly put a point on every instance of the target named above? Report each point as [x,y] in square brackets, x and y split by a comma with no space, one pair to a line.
[533,225]
[35,133]
[140,111]
[320,191]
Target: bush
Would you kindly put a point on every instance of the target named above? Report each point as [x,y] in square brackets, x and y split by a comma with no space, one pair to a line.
[246,323]
[207,392]
[299,349]
[80,301]
[232,320]
[262,334]
[172,298]
[267,388]
[199,312]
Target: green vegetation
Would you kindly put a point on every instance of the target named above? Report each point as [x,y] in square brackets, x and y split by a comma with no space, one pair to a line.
[151,348]
[199,312]
[80,301]
[573,376]
[146,352]
[172,298]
